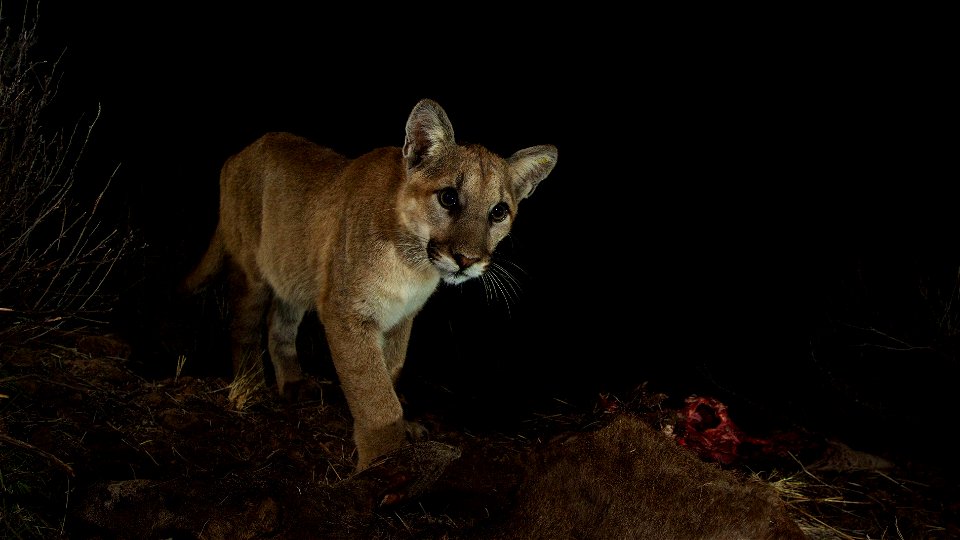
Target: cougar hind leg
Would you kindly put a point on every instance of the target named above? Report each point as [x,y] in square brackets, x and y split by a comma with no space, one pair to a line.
[249,300]
[282,343]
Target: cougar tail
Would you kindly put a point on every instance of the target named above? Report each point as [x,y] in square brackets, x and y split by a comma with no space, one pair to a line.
[209,266]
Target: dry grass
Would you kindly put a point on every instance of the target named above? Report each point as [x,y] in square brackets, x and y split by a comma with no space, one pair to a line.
[248,384]
[853,496]
[102,420]
[801,493]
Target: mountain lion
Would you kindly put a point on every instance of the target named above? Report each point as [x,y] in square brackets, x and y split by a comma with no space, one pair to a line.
[362,241]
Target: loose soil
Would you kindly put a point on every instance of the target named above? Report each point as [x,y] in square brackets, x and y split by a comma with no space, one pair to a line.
[90,447]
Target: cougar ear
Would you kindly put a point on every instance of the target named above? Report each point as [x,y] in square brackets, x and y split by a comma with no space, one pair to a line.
[428,132]
[529,166]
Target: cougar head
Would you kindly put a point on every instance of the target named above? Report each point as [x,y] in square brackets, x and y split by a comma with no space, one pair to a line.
[460,201]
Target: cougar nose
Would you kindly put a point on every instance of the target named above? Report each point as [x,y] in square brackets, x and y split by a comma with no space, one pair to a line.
[463,261]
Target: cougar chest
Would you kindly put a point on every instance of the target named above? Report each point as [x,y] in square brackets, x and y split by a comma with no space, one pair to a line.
[401,291]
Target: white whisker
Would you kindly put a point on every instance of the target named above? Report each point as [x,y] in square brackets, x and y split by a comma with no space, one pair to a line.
[489,292]
[513,264]
[510,280]
[499,282]
[498,286]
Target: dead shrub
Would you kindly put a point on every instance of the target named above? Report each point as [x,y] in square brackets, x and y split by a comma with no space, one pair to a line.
[55,251]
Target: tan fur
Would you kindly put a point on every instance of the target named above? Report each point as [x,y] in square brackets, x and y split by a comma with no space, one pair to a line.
[362,241]
[629,481]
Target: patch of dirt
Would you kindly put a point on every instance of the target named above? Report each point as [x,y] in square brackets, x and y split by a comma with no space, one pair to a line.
[91,449]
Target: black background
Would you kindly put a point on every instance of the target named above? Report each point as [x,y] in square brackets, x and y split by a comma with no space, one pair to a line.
[733,190]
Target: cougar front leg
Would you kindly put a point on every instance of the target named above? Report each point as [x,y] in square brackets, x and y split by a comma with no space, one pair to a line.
[357,352]
[395,347]
[282,343]
[395,343]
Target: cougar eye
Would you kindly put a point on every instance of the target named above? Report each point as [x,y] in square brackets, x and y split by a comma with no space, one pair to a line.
[499,212]
[448,198]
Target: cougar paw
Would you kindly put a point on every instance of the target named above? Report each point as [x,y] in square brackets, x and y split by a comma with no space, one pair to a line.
[415,431]
[398,476]
[302,390]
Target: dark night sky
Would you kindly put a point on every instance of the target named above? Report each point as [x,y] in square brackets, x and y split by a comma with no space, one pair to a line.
[716,188]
